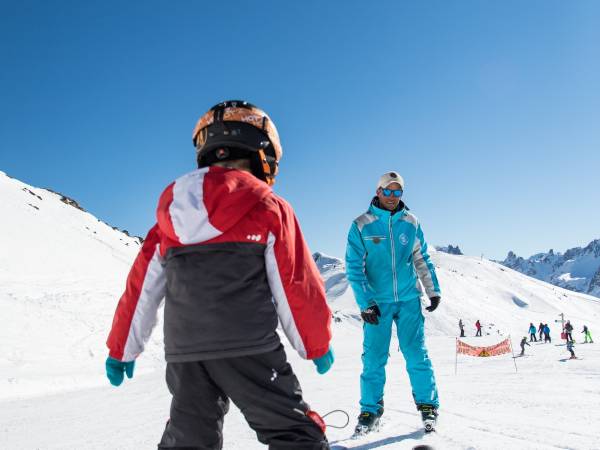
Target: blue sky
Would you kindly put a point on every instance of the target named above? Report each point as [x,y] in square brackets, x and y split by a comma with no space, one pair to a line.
[490,110]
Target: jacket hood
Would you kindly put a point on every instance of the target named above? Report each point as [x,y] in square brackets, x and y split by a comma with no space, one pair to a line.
[207,202]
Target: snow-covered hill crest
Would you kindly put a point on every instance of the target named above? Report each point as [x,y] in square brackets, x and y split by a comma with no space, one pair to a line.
[333,272]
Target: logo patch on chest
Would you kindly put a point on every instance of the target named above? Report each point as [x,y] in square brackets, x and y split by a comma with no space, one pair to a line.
[376,240]
[403,239]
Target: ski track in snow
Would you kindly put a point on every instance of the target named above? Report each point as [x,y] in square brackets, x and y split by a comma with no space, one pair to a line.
[485,406]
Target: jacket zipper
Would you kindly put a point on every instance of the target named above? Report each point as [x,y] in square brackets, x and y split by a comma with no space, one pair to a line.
[395,281]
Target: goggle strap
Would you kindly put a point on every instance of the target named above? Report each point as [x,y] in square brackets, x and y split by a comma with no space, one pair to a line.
[266,167]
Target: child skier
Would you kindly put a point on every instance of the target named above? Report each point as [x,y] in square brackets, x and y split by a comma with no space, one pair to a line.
[571,347]
[478,326]
[587,334]
[547,333]
[532,330]
[228,258]
[569,331]
[523,344]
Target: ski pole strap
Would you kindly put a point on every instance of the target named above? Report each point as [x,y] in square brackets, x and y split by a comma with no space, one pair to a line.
[338,411]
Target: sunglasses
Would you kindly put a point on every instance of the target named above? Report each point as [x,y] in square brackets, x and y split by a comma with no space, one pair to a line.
[390,192]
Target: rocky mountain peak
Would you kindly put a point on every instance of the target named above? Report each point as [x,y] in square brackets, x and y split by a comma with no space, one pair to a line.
[578,269]
[450,249]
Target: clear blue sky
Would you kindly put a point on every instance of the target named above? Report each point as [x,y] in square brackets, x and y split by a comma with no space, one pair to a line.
[490,110]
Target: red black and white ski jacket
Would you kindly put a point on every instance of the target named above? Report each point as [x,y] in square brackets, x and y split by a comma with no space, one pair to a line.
[229,259]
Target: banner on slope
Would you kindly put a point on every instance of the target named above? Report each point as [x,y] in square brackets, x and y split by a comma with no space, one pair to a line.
[500,348]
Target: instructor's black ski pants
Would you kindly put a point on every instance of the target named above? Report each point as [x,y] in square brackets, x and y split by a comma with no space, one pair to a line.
[262,386]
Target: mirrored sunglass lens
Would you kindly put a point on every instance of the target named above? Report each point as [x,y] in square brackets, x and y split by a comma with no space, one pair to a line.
[388,192]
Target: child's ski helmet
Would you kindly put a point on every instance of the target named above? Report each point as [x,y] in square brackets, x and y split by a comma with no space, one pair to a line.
[236,129]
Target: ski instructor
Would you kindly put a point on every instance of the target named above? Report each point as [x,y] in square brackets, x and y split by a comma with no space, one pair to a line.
[386,256]
[229,259]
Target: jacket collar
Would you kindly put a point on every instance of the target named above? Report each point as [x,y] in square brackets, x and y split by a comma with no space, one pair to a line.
[376,209]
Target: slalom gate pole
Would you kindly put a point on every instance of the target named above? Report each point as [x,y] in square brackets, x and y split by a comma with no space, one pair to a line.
[513,353]
[456,355]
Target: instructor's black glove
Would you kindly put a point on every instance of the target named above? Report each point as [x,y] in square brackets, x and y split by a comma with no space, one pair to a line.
[371,314]
[435,301]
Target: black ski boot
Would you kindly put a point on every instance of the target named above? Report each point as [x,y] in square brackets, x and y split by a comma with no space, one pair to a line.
[367,422]
[428,416]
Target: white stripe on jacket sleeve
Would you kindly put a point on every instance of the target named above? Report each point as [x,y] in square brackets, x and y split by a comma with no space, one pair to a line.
[145,317]
[281,303]
[423,270]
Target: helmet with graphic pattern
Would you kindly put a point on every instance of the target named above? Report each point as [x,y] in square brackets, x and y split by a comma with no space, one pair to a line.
[236,129]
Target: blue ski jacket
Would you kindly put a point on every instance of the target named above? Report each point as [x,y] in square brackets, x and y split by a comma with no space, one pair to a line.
[386,256]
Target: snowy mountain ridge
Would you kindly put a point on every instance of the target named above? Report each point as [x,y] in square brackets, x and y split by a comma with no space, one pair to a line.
[578,269]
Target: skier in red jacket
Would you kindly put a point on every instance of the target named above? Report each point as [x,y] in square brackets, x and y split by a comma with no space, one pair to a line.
[229,260]
[478,326]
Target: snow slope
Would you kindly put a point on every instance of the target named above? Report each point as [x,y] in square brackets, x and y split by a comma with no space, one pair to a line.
[61,274]
[504,300]
[333,273]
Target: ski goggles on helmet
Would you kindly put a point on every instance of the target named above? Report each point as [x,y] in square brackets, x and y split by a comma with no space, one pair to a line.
[389,192]
[239,125]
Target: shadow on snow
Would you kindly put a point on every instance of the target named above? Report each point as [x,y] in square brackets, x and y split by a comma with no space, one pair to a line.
[381,442]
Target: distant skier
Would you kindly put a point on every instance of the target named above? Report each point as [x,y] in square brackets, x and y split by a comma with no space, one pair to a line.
[569,331]
[587,334]
[229,260]
[532,330]
[547,333]
[386,263]
[541,330]
[523,344]
[462,328]
[571,348]
[478,326]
